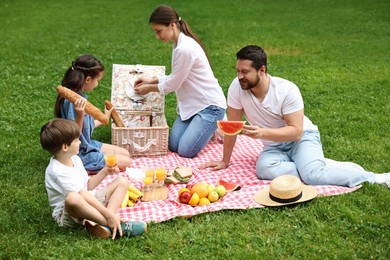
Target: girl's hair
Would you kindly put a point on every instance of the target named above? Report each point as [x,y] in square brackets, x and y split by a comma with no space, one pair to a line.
[57,132]
[82,67]
[254,53]
[165,15]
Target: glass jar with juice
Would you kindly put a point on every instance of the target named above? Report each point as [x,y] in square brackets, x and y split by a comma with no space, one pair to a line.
[161,175]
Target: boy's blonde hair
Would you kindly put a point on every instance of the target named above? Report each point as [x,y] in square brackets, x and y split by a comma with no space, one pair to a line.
[58,132]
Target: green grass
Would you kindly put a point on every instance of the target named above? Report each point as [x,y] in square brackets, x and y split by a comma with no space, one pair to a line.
[337,52]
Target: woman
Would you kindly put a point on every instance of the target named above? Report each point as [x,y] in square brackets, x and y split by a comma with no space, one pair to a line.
[200,99]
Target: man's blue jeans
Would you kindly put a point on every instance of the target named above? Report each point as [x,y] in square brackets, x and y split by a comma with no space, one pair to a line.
[305,159]
[188,137]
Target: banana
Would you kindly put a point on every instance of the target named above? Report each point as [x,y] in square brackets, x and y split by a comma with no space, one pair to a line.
[125,200]
[135,190]
[133,196]
[130,203]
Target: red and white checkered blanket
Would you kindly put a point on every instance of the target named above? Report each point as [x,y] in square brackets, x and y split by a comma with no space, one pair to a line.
[241,171]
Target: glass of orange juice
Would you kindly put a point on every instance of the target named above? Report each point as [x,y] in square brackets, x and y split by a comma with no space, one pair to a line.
[148,181]
[110,158]
[149,173]
[149,178]
[161,174]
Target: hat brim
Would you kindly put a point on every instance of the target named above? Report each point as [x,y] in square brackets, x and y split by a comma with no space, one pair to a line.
[262,196]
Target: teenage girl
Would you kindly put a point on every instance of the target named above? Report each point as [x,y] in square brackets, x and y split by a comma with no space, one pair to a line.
[200,99]
[84,75]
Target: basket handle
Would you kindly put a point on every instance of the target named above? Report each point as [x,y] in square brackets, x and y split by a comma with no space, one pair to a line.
[139,148]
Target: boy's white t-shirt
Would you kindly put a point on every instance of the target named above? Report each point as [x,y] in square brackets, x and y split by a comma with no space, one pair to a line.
[283,98]
[60,180]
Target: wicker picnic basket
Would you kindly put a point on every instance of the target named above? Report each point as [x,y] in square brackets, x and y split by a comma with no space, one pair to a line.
[146,131]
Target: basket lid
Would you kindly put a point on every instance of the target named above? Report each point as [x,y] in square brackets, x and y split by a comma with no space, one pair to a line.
[122,90]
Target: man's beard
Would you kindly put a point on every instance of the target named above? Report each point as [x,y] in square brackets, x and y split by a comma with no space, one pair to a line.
[250,84]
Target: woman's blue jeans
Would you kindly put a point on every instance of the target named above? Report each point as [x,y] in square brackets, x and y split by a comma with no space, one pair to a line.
[305,159]
[188,137]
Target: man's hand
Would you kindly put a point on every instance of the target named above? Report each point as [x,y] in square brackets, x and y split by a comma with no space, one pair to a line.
[252,131]
[214,165]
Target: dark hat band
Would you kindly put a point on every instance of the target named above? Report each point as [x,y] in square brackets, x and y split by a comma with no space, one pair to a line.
[276,199]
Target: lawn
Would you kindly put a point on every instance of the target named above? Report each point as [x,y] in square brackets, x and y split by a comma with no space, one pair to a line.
[337,52]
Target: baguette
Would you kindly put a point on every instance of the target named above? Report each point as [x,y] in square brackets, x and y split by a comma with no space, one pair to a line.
[114,114]
[89,108]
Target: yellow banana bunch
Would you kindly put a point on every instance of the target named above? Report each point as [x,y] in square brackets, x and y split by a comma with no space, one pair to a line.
[135,190]
[132,196]
[125,201]
[130,203]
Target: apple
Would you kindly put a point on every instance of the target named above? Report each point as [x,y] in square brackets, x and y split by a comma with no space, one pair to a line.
[213,196]
[221,190]
[211,187]
[185,197]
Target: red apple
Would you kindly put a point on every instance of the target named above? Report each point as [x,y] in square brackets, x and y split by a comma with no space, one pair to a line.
[185,197]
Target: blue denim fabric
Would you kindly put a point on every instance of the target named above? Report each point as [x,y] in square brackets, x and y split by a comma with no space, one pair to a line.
[188,137]
[305,159]
[89,153]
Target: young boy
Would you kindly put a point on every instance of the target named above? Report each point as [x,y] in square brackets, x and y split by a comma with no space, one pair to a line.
[71,193]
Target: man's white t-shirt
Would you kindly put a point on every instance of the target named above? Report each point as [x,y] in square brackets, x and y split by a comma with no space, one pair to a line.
[283,98]
[192,79]
[60,180]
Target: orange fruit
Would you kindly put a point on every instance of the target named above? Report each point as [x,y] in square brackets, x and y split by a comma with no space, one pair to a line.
[183,189]
[213,196]
[194,200]
[204,201]
[201,189]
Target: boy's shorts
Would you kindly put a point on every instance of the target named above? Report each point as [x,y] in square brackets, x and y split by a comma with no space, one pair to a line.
[63,219]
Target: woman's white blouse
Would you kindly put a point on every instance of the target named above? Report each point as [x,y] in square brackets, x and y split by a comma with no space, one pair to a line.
[192,79]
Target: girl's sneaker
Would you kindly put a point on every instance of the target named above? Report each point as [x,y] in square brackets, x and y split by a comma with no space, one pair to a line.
[133,228]
[97,230]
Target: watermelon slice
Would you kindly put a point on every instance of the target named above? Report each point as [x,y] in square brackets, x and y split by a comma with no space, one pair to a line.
[229,186]
[230,127]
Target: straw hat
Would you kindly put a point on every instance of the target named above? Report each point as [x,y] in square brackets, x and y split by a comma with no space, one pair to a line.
[285,190]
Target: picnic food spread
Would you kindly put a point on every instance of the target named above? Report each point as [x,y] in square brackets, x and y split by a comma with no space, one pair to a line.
[203,193]
[89,108]
[181,174]
[230,127]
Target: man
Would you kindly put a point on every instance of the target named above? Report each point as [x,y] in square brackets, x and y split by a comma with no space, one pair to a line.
[274,109]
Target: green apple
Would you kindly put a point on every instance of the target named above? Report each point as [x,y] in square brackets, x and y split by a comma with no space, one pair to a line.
[220,189]
[211,187]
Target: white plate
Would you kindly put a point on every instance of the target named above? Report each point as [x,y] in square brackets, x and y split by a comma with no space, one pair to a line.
[129,89]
